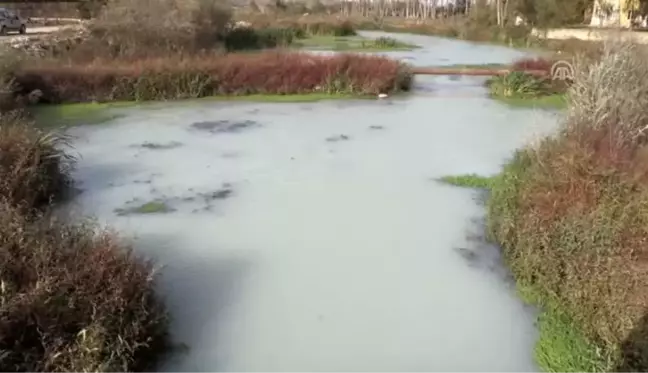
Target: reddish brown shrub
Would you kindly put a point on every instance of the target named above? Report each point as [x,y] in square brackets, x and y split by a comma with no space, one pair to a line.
[74,300]
[206,75]
[536,64]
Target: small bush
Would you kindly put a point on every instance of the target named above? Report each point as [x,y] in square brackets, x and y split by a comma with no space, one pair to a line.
[34,170]
[244,38]
[384,42]
[344,28]
[191,77]
[72,300]
[572,214]
[517,84]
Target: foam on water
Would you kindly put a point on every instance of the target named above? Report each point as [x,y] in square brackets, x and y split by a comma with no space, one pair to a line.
[313,236]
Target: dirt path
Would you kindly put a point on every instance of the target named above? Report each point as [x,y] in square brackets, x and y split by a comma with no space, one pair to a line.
[34,31]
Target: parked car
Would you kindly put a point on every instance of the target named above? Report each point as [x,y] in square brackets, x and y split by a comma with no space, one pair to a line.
[10,21]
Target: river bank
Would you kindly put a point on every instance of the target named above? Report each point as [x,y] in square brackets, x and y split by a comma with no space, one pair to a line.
[568,214]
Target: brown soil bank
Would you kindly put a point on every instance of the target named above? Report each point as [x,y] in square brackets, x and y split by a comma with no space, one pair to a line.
[571,214]
[209,75]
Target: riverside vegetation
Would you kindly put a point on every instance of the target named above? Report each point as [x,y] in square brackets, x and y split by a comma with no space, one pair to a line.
[73,296]
[187,57]
[521,88]
[475,21]
[570,214]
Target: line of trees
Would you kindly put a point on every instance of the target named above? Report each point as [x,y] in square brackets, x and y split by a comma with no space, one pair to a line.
[543,13]
[538,13]
[423,9]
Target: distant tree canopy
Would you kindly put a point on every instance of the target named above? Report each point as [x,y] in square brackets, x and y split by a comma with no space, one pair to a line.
[90,8]
[553,13]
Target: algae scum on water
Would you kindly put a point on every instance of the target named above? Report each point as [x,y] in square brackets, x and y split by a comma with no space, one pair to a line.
[191,201]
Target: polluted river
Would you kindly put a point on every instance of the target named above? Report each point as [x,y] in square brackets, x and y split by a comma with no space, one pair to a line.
[315,236]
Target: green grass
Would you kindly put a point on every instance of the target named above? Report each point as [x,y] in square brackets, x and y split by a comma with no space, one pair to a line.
[68,115]
[75,114]
[555,101]
[561,347]
[153,207]
[469,181]
[352,44]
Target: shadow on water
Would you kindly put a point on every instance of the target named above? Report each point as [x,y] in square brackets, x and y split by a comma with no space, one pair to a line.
[634,350]
[198,293]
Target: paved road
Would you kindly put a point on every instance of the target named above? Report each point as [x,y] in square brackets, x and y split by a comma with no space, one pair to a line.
[32,31]
[37,30]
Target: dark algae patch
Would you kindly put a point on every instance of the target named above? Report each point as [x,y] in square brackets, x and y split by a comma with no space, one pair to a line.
[165,204]
[337,138]
[160,146]
[224,126]
[219,194]
[469,255]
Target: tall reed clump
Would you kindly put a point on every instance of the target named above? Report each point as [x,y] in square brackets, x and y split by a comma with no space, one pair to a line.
[198,76]
[571,214]
[72,298]
[34,170]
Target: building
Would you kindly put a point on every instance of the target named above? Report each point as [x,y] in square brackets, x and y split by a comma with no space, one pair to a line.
[611,13]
